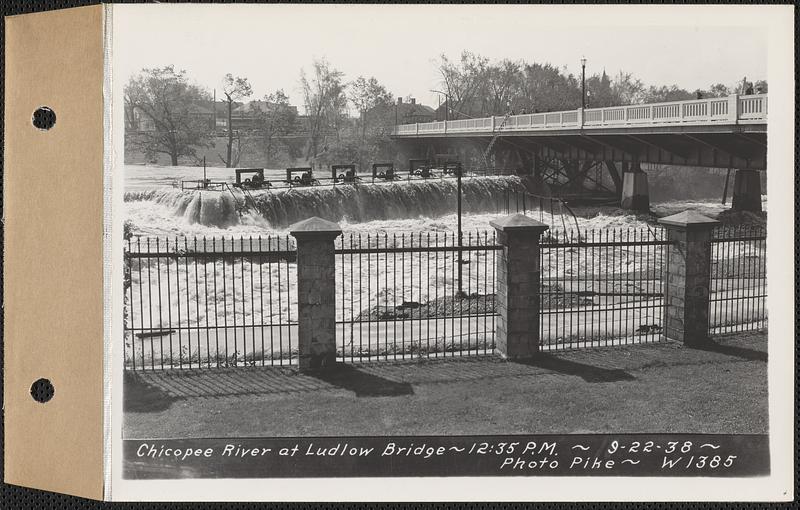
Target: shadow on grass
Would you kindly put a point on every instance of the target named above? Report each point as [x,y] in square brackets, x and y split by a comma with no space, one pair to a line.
[363,384]
[588,373]
[732,350]
[139,396]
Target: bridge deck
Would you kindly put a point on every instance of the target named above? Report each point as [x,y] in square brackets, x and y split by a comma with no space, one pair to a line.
[718,112]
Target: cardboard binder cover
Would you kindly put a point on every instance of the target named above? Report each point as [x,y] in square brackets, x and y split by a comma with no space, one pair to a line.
[53,214]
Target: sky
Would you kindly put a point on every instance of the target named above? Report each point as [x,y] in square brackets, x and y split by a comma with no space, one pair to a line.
[690,46]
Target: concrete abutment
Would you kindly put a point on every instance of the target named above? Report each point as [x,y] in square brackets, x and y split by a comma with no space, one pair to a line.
[747,191]
[635,190]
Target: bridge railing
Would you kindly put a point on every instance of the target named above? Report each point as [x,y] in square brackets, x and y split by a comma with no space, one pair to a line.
[733,109]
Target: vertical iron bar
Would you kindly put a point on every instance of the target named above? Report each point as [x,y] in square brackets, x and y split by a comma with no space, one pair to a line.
[141,299]
[197,303]
[428,295]
[402,291]
[205,288]
[280,307]
[225,299]
[263,322]
[150,307]
[271,312]
[160,307]
[216,303]
[288,301]
[188,300]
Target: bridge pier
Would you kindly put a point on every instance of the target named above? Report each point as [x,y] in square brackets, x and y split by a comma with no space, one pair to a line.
[746,191]
[635,191]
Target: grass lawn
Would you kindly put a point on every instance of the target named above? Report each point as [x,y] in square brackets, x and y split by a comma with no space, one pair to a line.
[645,388]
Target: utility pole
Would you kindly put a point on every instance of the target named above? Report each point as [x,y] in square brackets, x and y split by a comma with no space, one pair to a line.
[583,82]
[460,293]
[446,103]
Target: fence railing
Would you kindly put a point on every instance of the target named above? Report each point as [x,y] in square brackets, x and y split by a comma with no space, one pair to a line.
[733,109]
[738,279]
[202,303]
[415,294]
[602,287]
[193,303]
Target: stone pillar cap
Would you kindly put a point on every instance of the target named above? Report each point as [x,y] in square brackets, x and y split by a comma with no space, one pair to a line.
[518,223]
[688,219]
[315,227]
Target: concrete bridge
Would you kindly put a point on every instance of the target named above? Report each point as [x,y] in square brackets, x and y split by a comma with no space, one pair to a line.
[721,132]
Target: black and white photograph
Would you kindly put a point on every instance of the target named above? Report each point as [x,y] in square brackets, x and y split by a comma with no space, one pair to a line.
[409,241]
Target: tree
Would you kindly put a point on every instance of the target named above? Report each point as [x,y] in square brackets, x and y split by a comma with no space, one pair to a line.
[325,103]
[666,93]
[366,95]
[463,83]
[599,91]
[718,90]
[234,89]
[545,89]
[502,89]
[626,89]
[165,96]
[276,120]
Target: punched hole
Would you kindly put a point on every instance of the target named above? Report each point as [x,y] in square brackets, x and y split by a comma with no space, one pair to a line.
[42,390]
[44,118]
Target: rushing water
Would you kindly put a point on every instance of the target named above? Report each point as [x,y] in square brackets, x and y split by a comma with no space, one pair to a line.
[155,207]
[245,291]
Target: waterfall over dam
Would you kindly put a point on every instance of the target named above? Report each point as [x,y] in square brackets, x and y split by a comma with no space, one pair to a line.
[354,203]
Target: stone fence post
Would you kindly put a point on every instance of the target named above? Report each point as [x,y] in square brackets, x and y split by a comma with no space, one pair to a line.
[316,292]
[688,277]
[518,278]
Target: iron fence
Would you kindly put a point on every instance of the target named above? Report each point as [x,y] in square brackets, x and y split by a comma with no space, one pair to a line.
[547,209]
[193,303]
[738,288]
[196,302]
[423,294]
[601,287]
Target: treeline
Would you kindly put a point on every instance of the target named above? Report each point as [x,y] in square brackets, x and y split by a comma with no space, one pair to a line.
[351,121]
[477,87]
[171,103]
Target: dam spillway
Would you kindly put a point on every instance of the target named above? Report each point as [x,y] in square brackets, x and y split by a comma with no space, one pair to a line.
[353,203]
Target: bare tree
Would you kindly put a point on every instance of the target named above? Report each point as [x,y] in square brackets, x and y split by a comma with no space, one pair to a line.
[367,94]
[325,103]
[626,89]
[463,83]
[166,97]
[276,120]
[503,83]
[234,90]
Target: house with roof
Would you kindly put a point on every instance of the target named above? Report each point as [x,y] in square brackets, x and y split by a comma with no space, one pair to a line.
[403,112]
[245,116]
